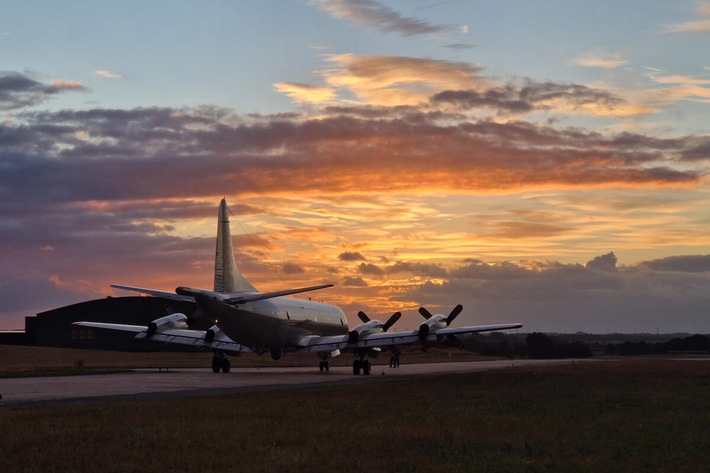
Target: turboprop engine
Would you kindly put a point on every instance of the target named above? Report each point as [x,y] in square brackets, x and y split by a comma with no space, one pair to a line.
[169,321]
[371,326]
[435,322]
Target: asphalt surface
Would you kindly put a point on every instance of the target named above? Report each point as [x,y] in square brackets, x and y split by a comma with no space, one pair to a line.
[179,383]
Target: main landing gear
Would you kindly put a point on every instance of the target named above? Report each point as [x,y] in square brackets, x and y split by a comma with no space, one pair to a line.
[362,364]
[220,363]
[323,365]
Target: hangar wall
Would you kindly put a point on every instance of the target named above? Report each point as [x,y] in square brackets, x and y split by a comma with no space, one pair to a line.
[54,327]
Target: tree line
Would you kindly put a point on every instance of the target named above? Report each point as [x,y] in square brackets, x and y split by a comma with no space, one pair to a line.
[539,345]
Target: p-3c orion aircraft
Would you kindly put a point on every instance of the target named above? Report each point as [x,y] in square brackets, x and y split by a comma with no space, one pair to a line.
[246,320]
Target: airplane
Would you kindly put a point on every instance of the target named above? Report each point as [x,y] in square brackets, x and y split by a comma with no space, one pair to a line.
[246,320]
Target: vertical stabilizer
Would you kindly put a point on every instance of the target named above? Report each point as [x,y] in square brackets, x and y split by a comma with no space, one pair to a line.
[227,278]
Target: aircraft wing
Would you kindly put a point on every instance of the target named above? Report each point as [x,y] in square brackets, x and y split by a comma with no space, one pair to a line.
[212,339]
[476,329]
[196,338]
[404,338]
[155,292]
[314,343]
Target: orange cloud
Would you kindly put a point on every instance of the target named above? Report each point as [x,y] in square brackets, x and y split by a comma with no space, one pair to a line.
[396,80]
[303,93]
[601,59]
[437,85]
[58,85]
[108,74]
[696,26]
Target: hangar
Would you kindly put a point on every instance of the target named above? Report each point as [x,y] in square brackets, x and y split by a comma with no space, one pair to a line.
[54,327]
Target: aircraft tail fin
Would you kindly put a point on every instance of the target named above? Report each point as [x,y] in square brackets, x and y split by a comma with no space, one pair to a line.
[227,278]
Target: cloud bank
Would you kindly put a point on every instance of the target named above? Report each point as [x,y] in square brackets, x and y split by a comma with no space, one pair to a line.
[86,195]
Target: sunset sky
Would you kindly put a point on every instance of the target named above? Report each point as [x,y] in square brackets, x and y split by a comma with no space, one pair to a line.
[543,162]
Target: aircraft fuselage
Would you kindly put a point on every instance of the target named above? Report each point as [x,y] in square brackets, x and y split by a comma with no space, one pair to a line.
[273,324]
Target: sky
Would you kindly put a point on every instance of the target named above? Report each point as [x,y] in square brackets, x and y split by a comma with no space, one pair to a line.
[539,162]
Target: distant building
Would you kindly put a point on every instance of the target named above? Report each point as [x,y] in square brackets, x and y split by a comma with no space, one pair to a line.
[12,337]
[54,328]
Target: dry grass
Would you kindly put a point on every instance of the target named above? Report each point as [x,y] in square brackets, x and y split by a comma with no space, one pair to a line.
[646,415]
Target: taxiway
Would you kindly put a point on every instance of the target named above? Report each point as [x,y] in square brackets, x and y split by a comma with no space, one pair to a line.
[177,383]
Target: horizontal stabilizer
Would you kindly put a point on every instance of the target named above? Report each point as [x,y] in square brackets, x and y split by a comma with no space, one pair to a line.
[243,299]
[156,293]
[119,327]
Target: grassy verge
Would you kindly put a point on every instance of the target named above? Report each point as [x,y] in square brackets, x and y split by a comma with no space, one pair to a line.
[632,415]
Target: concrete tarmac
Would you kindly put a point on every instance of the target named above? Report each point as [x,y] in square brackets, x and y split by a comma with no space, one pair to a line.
[179,383]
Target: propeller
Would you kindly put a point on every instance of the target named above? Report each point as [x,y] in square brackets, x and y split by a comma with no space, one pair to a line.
[390,322]
[452,316]
[454,313]
[394,318]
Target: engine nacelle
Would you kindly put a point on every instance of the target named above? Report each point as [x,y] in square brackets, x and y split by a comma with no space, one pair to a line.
[435,322]
[373,326]
[169,321]
[374,352]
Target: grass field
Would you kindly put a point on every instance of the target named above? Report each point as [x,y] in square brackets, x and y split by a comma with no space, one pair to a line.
[645,415]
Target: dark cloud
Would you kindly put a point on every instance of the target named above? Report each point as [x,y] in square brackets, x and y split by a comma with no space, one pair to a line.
[700,151]
[686,264]
[292,268]
[571,297]
[19,90]
[370,269]
[351,256]
[419,269]
[605,262]
[515,229]
[528,97]
[373,14]
[354,282]
[165,153]
[460,46]
[475,269]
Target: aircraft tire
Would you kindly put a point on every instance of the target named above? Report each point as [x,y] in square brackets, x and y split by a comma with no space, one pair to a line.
[327,366]
[226,365]
[366,367]
[216,364]
[357,365]
[321,366]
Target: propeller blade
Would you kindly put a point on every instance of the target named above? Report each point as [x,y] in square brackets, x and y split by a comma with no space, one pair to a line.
[395,317]
[454,313]
[365,319]
[425,313]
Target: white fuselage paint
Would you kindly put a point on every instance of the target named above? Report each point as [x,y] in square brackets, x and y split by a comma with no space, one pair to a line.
[277,323]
